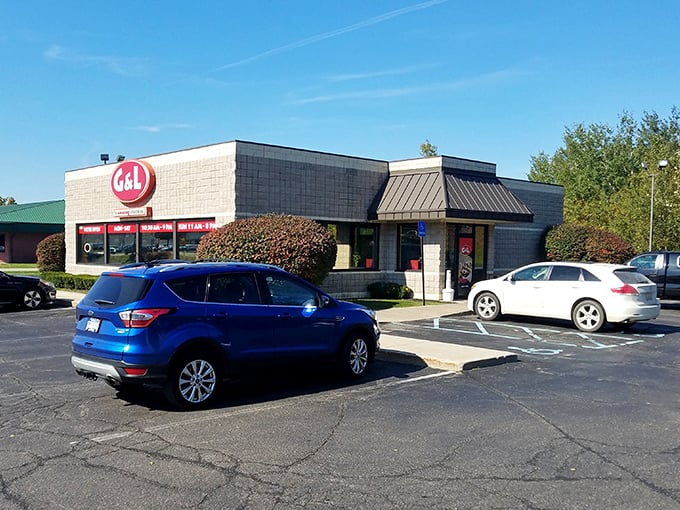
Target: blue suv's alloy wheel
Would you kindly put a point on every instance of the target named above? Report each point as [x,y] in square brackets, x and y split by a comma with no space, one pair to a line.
[193,382]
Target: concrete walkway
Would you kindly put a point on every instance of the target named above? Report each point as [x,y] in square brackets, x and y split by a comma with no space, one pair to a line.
[439,355]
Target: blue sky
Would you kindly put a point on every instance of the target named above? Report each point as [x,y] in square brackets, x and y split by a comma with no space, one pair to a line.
[494,81]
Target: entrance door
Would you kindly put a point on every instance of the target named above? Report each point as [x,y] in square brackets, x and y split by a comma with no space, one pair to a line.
[465,257]
[464,266]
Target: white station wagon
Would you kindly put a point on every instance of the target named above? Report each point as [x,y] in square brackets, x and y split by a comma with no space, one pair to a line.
[588,294]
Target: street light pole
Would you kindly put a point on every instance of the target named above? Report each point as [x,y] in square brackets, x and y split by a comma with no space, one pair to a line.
[662,164]
[651,214]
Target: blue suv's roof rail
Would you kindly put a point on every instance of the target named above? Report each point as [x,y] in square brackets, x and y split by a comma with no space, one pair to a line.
[159,262]
[152,263]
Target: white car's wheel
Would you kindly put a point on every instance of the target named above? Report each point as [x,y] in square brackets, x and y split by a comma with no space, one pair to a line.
[487,306]
[588,316]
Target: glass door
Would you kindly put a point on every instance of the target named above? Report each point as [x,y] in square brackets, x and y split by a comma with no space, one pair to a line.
[465,257]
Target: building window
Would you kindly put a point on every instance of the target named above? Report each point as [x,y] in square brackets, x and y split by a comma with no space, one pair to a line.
[357,245]
[409,247]
[365,247]
[189,233]
[124,242]
[156,240]
[90,244]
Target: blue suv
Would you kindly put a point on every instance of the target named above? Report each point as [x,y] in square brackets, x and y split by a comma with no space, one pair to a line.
[186,326]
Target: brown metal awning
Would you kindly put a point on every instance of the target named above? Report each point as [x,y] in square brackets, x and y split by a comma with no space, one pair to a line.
[443,193]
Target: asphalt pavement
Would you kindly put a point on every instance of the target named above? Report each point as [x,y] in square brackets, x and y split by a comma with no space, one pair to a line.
[439,355]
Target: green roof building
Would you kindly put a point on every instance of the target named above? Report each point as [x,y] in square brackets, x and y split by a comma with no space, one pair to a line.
[23,226]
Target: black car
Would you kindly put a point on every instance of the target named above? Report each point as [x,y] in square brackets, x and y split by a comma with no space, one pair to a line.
[28,292]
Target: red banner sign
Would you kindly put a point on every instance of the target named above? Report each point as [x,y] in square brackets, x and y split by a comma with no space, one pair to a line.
[91,229]
[155,227]
[122,228]
[196,226]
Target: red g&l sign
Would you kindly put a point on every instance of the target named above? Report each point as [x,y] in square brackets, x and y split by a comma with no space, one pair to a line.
[133,181]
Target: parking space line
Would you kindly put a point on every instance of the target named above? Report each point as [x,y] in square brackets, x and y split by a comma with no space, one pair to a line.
[423,377]
[593,341]
[111,437]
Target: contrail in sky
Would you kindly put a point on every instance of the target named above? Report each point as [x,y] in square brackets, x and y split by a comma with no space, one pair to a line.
[333,33]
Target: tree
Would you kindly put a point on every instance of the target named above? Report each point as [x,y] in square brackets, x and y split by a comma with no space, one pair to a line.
[604,183]
[7,201]
[298,245]
[427,149]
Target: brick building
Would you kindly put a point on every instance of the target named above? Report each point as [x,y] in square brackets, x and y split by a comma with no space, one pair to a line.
[475,224]
[23,226]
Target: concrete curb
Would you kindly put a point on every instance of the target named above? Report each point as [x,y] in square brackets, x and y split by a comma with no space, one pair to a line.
[440,355]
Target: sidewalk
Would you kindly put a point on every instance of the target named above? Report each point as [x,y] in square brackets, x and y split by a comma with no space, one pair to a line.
[439,355]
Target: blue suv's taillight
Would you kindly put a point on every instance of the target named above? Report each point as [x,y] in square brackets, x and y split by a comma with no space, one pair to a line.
[142,318]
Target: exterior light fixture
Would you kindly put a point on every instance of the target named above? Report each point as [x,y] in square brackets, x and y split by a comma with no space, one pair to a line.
[120,158]
[104,157]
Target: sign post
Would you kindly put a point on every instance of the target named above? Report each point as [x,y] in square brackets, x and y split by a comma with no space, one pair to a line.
[421,233]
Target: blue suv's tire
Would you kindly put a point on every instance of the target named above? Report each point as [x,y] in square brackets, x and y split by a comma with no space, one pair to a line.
[193,382]
[354,356]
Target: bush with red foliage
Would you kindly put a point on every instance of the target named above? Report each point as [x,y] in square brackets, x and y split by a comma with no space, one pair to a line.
[299,245]
[586,243]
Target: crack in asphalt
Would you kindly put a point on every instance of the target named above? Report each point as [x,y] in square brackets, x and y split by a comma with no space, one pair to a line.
[580,442]
[56,441]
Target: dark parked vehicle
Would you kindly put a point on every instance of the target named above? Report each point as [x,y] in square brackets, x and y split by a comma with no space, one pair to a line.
[186,326]
[663,268]
[28,292]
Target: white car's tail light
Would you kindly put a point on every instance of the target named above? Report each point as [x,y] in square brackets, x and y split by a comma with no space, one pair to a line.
[626,289]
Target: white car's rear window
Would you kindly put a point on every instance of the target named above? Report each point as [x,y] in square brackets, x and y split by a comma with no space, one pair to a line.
[631,276]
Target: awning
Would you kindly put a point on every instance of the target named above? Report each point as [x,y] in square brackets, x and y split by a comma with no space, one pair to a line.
[449,194]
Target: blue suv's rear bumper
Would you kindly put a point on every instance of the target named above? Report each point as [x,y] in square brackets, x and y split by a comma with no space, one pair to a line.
[114,373]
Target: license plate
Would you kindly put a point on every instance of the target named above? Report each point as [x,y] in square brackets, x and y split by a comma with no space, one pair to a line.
[93,325]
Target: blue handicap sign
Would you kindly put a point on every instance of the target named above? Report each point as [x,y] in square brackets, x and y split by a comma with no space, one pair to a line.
[421,229]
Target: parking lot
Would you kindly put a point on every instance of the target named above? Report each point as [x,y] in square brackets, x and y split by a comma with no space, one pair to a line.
[579,421]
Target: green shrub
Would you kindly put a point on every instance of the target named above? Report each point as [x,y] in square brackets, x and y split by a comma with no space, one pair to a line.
[389,290]
[63,280]
[298,245]
[51,253]
[585,243]
[566,242]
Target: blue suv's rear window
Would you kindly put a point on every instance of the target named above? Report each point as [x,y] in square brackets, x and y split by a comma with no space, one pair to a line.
[116,290]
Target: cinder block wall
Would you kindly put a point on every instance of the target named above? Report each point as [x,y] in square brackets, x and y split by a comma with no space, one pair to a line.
[523,243]
[325,187]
